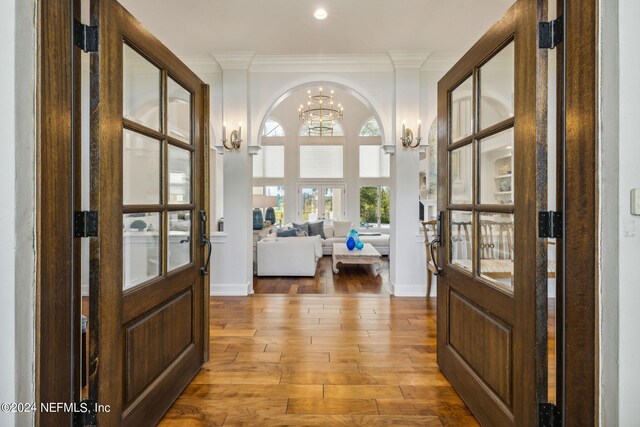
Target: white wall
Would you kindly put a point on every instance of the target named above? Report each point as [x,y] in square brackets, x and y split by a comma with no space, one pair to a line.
[17,191]
[8,208]
[629,232]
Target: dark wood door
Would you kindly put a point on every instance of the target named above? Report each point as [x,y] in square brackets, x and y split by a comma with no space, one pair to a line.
[492,294]
[148,311]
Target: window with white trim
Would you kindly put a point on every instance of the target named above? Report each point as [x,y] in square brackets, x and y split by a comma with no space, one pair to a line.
[273,190]
[374,162]
[334,130]
[272,128]
[269,162]
[370,128]
[321,161]
[375,206]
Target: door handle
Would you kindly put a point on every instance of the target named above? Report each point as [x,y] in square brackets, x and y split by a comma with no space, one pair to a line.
[204,271]
[437,241]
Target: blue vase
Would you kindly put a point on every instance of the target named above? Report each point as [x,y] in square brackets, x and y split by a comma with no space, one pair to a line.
[351,243]
[270,215]
[359,245]
[258,220]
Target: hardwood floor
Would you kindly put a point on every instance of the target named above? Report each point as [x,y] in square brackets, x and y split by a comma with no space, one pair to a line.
[321,360]
[351,279]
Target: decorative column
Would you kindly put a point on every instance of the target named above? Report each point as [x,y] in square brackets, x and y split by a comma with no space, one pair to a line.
[407,260]
[232,260]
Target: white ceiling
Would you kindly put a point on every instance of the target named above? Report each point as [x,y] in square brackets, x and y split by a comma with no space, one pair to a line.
[287,27]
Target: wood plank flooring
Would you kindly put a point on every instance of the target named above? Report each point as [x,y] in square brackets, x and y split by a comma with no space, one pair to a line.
[351,279]
[321,360]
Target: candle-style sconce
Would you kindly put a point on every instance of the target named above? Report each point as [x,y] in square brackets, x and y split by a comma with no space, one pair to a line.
[235,138]
[407,138]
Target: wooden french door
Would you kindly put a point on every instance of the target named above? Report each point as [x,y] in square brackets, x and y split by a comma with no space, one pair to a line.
[148,297]
[492,291]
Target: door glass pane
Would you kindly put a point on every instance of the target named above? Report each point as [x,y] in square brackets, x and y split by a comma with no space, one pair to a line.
[496,169]
[179,239]
[140,248]
[496,248]
[333,204]
[179,175]
[140,169]
[461,235]
[496,87]
[141,89]
[179,117]
[462,111]
[461,170]
[310,200]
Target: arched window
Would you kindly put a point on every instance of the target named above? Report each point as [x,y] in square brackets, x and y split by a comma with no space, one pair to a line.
[272,128]
[335,129]
[370,128]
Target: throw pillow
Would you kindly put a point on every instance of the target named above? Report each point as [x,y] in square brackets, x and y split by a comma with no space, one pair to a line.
[300,233]
[304,227]
[287,233]
[341,228]
[317,229]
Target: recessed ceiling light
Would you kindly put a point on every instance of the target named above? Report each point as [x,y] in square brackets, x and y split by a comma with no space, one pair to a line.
[320,14]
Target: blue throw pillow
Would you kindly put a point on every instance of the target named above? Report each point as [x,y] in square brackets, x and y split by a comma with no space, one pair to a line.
[317,229]
[303,227]
[287,233]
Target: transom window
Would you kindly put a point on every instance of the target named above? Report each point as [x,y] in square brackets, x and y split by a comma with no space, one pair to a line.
[321,161]
[370,128]
[269,162]
[374,163]
[334,130]
[272,128]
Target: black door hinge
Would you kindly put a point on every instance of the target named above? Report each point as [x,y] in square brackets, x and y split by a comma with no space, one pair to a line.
[85,36]
[550,33]
[85,413]
[549,225]
[85,224]
[549,415]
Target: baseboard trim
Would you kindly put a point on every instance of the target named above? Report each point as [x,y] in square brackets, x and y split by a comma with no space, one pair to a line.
[408,290]
[239,290]
[84,290]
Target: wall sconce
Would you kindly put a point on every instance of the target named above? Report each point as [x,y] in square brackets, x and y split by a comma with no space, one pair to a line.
[407,136]
[235,139]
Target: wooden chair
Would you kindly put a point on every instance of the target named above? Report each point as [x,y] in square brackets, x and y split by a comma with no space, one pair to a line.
[430,231]
[496,249]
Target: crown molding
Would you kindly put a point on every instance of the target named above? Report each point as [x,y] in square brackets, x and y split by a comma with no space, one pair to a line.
[408,59]
[240,60]
[441,61]
[215,63]
[201,63]
[321,63]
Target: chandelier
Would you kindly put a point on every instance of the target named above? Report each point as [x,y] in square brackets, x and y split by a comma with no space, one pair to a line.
[320,113]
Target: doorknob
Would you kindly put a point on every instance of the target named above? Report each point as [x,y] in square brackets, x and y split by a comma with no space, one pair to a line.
[204,271]
[437,241]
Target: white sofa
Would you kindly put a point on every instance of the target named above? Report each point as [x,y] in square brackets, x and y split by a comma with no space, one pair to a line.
[288,256]
[381,242]
[298,256]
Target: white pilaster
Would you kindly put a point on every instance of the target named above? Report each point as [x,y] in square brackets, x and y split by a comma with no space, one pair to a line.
[407,261]
[232,263]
